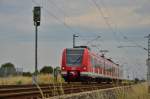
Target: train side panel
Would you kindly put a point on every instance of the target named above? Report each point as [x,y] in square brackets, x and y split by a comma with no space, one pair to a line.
[80,64]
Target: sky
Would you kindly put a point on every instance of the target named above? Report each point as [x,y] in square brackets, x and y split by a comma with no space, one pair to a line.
[117,22]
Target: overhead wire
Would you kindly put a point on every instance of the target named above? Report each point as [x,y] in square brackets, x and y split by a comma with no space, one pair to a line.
[109,25]
[57,18]
[60,9]
[102,2]
[106,20]
[88,42]
[134,43]
[89,39]
[67,26]
[119,32]
[101,13]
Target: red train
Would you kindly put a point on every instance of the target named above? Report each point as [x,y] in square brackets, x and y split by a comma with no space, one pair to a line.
[80,64]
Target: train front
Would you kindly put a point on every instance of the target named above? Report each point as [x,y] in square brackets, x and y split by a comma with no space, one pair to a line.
[73,63]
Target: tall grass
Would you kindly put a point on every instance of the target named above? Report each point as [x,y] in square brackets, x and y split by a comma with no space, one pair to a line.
[15,80]
[139,91]
[41,79]
[19,80]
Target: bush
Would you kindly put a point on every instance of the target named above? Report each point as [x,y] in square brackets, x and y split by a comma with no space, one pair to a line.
[46,70]
[27,74]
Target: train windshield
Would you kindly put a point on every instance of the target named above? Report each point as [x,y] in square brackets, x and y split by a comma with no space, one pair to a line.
[74,56]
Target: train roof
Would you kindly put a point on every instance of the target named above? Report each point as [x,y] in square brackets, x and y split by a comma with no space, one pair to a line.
[83,47]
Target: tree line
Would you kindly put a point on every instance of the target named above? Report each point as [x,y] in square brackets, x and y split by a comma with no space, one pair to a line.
[9,69]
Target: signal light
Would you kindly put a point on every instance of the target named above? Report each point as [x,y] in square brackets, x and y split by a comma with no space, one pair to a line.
[37,15]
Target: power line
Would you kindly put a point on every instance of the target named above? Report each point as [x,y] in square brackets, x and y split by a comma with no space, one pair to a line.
[107,22]
[105,18]
[55,5]
[58,19]
[110,26]
[119,32]
[60,9]
[70,28]
[88,42]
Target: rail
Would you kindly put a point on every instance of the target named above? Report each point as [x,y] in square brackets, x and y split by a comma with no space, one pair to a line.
[48,90]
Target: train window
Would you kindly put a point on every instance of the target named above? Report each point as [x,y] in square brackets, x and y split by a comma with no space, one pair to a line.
[108,67]
[75,51]
[92,61]
[101,63]
[96,63]
[74,57]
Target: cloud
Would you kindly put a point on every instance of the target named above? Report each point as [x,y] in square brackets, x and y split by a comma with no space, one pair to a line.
[123,17]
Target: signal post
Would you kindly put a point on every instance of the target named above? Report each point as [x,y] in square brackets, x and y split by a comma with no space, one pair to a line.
[74,36]
[36,19]
[148,64]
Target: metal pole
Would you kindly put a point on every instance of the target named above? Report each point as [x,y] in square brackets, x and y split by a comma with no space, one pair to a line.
[74,36]
[36,19]
[36,51]
[104,66]
[148,64]
[73,40]
[148,68]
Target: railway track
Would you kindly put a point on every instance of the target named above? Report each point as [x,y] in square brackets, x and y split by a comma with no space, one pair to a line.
[48,90]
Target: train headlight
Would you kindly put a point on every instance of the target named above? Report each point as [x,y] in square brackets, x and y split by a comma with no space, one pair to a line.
[63,68]
[84,68]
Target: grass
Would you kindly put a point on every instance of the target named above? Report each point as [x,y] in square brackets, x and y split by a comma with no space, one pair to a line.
[139,91]
[19,80]
[41,79]
[15,80]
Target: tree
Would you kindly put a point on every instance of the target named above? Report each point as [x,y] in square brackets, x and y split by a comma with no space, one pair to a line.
[27,74]
[47,69]
[136,80]
[7,69]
